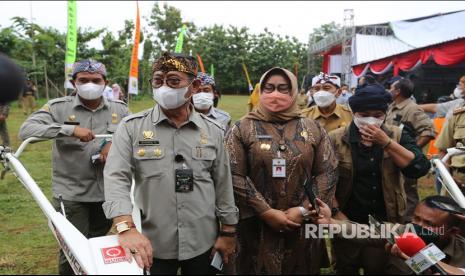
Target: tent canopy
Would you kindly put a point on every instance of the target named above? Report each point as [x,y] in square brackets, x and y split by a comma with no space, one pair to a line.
[441,38]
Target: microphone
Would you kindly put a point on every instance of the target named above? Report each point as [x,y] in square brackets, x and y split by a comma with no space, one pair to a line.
[12,80]
[422,257]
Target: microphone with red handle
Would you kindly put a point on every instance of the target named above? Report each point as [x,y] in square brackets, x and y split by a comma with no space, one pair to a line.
[411,245]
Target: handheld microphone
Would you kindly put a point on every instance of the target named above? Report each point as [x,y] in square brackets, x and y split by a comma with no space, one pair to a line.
[422,257]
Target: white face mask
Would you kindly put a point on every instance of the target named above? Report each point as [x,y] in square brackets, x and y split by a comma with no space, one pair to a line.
[458,93]
[170,98]
[324,98]
[363,121]
[203,100]
[90,91]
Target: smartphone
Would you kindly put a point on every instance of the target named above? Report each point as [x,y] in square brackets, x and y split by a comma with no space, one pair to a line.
[217,261]
[311,195]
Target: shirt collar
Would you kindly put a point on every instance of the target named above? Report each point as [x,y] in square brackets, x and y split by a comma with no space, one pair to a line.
[403,104]
[354,134]
[77,102]
[159,116]
[336,111]
[213,113]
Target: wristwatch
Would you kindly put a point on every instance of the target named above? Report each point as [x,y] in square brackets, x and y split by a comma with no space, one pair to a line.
[305,213]
[124,226]
[227,234]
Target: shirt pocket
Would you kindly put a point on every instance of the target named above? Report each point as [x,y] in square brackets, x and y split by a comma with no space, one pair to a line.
[203,157]
[150,161]
[459,133]
[112,128]
[71,143]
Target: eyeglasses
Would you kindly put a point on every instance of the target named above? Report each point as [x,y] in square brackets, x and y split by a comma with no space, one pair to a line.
[172,81]
[282,88]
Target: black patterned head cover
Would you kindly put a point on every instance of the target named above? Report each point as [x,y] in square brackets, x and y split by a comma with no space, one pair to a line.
[89,65]
[175,62]
[370,97]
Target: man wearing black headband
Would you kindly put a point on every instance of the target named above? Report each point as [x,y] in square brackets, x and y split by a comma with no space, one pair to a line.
[373,155]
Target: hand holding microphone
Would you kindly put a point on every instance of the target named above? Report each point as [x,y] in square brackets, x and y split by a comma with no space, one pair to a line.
[422,256]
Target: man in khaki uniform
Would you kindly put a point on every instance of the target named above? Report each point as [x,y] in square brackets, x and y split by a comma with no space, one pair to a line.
[78,158]
[453,134]
[4,111]
[302,99]
[404,111]
[182,175]
[327,112]
[29,98]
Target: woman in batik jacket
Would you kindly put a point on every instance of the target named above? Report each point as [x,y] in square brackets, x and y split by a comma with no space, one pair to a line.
[273,152]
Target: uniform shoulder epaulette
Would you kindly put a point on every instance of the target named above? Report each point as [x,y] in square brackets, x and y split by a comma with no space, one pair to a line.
[459,110]
[46,107]
[307,110]
[118,101]
[141,114]
[60,100]
[345,108]
[211,120]
[222,112]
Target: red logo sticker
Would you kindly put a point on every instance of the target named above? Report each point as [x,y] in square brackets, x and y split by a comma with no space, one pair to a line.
[113,255]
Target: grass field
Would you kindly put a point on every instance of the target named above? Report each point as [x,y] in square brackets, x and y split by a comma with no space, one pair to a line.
[27,245]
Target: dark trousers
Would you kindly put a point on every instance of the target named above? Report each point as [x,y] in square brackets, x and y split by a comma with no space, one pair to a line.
[199,265]
[88,218]
[4,134]
[351,257]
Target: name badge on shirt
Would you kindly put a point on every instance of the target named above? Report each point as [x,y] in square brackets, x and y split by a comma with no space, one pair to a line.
[149,143]
[279,168]
[72,123]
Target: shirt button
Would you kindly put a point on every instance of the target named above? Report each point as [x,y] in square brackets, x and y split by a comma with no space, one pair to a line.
[374,174]
[282,193]
[372,159]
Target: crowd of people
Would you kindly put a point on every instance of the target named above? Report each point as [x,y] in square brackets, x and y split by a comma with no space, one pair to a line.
[206,186]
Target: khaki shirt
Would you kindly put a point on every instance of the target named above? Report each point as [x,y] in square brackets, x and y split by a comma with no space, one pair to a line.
[74,177]
[179,225]
[453,132]
[302,100]
[341,117]
[220,116]
[410,114]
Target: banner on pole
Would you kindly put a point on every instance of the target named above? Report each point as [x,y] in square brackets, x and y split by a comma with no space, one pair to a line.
[247,77]
[133,86]
[71,42]
[212,70]
[180,40]
[199,59]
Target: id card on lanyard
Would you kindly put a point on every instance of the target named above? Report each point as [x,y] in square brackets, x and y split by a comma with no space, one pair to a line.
[279,167]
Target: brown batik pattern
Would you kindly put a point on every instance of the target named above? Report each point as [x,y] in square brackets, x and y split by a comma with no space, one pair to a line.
[309,153]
